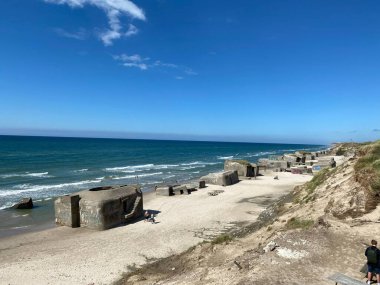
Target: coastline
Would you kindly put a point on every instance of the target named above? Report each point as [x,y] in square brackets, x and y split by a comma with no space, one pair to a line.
[79,256]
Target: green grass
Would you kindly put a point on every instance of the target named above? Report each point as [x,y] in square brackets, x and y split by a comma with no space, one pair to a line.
[318,179]
[341,151]
[297,223]
[367,168]
[224,238]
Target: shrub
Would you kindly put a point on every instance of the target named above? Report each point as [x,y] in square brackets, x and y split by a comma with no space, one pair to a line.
[297,223]
[224,238]
[367,168]
[317,180]
[341,151]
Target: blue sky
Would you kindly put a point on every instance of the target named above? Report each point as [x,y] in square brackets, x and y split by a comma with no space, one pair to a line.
[260,71]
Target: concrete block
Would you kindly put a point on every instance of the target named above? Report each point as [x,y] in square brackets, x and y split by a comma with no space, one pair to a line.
[222,178]
[100,208]
[164,191]
[67,211]
[243,168]
[180,189]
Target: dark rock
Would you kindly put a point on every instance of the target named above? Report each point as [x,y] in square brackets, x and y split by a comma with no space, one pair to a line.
[323,223]
[25,203]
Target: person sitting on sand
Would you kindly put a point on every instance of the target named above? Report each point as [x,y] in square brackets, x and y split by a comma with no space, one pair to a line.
[373,261]
[146,216]
[152,220]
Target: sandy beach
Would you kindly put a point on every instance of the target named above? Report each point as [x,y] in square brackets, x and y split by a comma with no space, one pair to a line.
[79,256]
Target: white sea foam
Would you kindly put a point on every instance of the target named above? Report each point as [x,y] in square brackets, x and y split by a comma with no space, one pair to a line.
[26,174]
[262,153]
[192,167]
[129,168]
[165,166]
[24,188]
[81,170]
[6,205]
[138,176]
[21,227]
[225,157]
[212,163]
[140,168]
[199,163]
[169,176]
[192,163]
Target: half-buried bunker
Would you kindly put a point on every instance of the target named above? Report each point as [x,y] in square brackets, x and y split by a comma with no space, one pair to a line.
[99,208]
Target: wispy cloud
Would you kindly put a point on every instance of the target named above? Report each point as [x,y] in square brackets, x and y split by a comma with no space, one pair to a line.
[132,30]
[145,63]
[132,61]
[114,10]
[81,34]
[376,130]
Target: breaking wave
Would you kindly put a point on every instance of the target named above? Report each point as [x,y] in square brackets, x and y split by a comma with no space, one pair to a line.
[25,188]
[27,174]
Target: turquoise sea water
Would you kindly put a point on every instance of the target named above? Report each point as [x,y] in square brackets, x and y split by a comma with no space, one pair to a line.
[47,167]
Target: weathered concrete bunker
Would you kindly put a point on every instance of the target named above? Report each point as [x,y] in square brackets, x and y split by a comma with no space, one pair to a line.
[99,208]
[222,178]
[243,167]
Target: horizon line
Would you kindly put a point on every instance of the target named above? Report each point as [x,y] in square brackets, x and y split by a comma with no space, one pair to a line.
[152,139]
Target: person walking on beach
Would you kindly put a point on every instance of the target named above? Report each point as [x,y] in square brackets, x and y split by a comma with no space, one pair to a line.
[373,261]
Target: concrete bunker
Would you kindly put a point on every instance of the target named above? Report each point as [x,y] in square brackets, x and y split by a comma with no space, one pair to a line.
[224,178]
[243,167]
[99,208]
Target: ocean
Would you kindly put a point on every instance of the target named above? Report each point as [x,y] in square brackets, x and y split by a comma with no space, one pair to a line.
[47,167]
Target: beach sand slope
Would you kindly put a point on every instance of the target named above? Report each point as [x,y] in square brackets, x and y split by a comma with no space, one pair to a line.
[78,256]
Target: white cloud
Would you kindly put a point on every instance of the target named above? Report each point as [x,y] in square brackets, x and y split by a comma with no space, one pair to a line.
[142,66]
[125,57]
[145,63]
[132,30]
[160,63]
[114,32]
[114,10]
[134,60]
[81,34]
[189,71]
